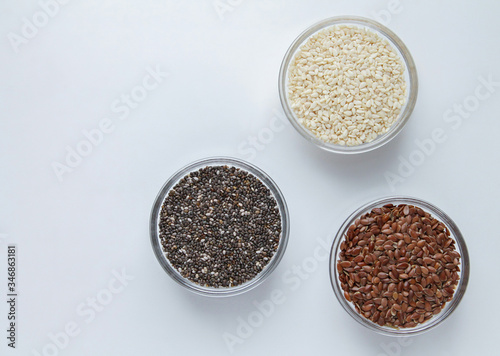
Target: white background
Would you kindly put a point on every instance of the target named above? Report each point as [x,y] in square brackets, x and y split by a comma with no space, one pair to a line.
[221,89]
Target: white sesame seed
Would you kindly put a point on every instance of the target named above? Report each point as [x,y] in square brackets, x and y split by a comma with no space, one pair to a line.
[343,76]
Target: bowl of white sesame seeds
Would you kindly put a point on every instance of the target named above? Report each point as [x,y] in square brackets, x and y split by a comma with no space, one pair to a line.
[348,84]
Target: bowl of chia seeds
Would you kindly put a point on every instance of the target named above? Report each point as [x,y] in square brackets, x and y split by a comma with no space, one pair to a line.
[399,266]
[219,226]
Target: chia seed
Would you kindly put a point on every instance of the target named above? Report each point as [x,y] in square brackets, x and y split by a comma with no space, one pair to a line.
[220,226]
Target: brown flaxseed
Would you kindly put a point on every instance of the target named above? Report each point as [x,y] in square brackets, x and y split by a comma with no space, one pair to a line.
[398,265]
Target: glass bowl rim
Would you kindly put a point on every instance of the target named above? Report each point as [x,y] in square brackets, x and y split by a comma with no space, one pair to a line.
[460,246]
[412,85]
[173,180]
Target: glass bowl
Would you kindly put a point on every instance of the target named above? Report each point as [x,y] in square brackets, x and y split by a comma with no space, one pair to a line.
[410,76]
[155,217]
[460,246]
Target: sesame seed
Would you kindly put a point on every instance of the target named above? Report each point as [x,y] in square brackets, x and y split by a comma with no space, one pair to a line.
[342,77]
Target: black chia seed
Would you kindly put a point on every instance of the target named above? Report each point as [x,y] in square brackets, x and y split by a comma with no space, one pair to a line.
[220,226]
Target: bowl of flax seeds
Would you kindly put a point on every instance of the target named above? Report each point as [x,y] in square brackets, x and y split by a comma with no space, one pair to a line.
[399,266]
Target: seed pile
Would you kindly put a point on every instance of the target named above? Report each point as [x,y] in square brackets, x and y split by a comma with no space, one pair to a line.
[398,266]
[219,226]
[346,85]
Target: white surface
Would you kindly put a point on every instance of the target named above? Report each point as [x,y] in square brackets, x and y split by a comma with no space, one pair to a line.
[222,88]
